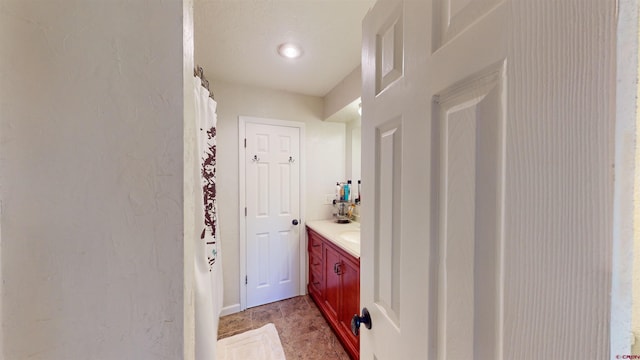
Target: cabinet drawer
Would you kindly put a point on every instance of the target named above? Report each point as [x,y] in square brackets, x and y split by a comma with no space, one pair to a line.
[315,243]
[315,263]
[315,282]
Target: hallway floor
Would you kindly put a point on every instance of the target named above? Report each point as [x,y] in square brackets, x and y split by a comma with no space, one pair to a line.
[303,331]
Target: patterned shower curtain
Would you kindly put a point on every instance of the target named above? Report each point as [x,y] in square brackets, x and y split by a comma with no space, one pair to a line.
[208,267]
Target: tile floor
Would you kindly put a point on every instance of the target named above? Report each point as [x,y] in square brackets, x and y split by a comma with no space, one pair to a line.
[304,332]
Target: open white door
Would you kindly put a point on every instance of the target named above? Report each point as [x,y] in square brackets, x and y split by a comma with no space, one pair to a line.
[432,158]
[273,235]
[469,218]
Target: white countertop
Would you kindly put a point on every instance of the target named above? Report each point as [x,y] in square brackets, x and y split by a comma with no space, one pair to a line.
[346,236]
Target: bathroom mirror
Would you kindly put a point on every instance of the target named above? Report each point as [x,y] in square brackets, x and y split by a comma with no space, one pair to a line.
[353,132]
[350,116]
[356,135]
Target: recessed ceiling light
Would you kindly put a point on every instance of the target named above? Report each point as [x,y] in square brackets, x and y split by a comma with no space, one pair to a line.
[289,50]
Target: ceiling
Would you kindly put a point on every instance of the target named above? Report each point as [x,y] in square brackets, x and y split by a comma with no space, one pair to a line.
[236,41]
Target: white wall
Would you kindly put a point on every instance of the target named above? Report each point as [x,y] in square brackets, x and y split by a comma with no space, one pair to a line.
[345,92]
[91,111]
[325,164]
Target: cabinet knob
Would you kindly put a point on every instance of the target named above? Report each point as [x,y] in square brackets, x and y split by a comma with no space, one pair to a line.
[357,320]
[295,222]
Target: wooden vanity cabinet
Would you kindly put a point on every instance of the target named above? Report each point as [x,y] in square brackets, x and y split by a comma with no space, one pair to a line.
[334,285]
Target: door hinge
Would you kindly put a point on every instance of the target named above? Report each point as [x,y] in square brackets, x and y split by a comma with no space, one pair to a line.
[245,143]
[245,211]
[246,280]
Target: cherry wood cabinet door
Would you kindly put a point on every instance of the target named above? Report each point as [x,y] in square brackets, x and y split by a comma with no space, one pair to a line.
[332,281]
[350,275]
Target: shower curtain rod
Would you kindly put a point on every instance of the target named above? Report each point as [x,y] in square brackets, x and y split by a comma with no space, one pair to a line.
[198,71]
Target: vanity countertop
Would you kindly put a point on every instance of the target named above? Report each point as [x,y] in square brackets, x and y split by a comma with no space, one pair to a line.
[346,236]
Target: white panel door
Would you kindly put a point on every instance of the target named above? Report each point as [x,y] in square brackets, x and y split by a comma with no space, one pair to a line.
[488,178]
[272,197]
[432,158]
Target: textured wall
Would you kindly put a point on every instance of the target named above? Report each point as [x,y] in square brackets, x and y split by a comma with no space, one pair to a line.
[325,154]
[91,110]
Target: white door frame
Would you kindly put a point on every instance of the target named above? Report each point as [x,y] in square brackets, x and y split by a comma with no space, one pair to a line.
[623,285]
[242,122]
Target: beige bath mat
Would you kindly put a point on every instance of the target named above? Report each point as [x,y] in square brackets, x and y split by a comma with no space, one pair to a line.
[259,344]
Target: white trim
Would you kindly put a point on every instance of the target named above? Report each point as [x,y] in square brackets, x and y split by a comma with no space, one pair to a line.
[242,122]
[621,336]
[242,201]
[231,309]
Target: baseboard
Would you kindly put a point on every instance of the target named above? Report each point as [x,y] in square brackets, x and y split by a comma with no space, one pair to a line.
[231,309]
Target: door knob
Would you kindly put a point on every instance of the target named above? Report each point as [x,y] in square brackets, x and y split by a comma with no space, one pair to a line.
[357,320]
[295,222]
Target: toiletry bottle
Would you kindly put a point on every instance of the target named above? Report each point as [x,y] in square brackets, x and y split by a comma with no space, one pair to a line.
[341,192]
[338,188]
[347,191]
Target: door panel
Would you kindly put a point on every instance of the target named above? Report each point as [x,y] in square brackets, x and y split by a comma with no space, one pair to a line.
[471,121]
[286,257]
[451,17]
[262,191]
[272,197]
[263,246]
[389,47]
[388,242]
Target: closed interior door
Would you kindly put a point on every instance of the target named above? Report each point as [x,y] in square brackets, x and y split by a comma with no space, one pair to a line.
[272,209]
